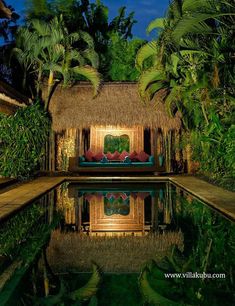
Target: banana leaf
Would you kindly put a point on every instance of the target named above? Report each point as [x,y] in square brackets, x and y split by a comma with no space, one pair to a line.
[93,301]
[150,295]
[89,290]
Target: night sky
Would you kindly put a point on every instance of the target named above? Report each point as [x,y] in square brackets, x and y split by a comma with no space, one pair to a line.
[145,11]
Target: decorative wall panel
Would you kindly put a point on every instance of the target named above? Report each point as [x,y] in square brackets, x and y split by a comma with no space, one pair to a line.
[98,133]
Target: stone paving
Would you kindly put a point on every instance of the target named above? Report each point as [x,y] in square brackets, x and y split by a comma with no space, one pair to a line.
[20,196]
[219,198]
[16,198]
[6,181]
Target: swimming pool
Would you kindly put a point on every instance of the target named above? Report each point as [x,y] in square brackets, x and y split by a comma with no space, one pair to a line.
[49,247]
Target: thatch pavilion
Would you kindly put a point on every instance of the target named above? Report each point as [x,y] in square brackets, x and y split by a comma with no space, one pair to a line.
[81,122]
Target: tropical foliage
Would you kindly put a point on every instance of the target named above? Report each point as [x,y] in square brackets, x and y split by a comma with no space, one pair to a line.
[109,35]
[22,139]
[208,248]
[44,48]
[121,56]
[192,65]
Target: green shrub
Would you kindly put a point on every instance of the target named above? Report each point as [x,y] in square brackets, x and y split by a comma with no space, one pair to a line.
[22,141]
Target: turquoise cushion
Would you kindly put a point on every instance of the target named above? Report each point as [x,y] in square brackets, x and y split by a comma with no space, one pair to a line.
[127,160]
[81,159]
[104,160]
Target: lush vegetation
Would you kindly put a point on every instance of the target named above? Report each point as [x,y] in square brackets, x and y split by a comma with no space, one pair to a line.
[192,66]
[44,48]
[22,139]
[109,36]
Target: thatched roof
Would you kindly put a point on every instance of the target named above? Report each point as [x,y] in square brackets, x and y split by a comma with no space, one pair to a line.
[116,104]
[4,11]
[11,99]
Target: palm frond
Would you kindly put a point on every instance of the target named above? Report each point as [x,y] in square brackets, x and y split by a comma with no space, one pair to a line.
[91,74]
[146,51]
[199,5]
[148,77]
[157,23]
[150,295]
[194,24]
[41,27]
[72,38]
[92,56]
[74,55]
[172,100]
[87,38]
[153,89]
[89,290]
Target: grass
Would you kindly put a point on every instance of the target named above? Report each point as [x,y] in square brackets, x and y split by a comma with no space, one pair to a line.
[75,252]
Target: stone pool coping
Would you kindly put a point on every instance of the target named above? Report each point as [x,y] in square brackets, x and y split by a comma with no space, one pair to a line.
[218,198]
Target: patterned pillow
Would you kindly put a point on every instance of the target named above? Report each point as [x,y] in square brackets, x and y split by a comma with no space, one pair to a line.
[123,155]
[89,155]
[114,156]
[109,155]
[142,156]
[133,156]
[98,156]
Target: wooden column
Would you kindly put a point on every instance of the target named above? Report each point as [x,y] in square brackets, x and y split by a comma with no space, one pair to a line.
[80,143]
[154,213]
[154,150]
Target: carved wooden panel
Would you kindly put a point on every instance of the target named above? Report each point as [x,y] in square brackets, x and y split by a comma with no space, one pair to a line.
[98,133]
[99,221]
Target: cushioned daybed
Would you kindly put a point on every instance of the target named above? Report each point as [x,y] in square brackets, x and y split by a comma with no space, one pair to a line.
[116,164]
[112,162]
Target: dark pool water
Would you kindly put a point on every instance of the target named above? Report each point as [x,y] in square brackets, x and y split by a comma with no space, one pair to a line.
[117,242]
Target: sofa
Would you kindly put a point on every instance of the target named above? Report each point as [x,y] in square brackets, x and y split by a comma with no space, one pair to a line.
[112,162]
[126,163]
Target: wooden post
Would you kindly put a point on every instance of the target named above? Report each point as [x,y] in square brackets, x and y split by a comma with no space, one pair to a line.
[154,145]
[154,213]
[80,149]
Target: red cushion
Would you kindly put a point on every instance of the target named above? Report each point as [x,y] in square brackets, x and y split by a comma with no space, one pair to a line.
[89,155]
[133,156]
[114,156]
[123,155]
[109,155]
[98,156]
[142,156]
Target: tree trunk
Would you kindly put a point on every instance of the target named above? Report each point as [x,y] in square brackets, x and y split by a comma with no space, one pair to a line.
[49,89]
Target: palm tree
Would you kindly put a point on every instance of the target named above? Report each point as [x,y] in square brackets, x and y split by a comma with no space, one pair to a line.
[191,37]
[27,50]
[47,49]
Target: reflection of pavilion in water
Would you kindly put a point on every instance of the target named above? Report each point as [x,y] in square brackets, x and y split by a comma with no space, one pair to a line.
[123,210]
